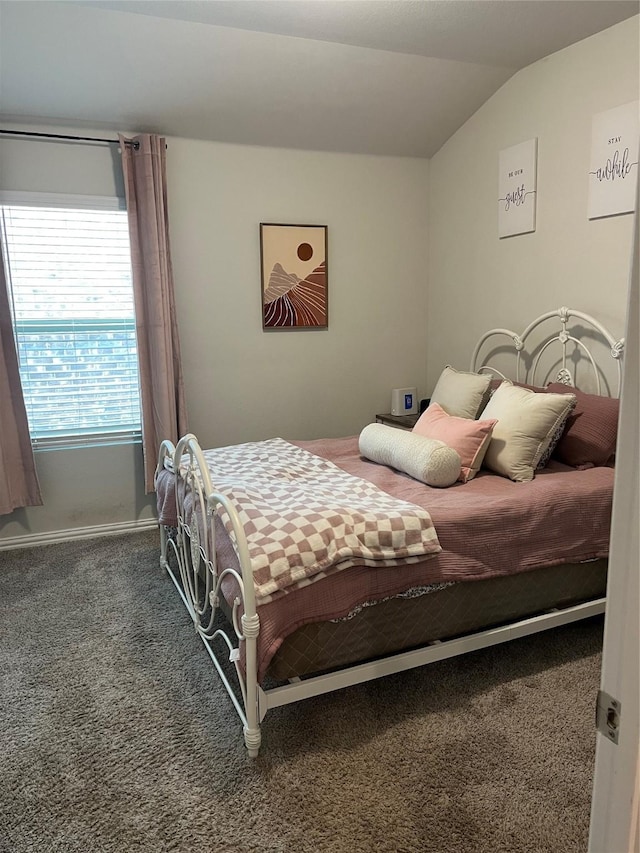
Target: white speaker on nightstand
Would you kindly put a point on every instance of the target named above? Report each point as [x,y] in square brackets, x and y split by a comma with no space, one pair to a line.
[404,401]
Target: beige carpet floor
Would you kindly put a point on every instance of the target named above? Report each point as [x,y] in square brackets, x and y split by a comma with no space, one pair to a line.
[116,735]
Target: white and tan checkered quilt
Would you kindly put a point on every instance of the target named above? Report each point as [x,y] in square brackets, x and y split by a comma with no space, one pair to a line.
[305,518]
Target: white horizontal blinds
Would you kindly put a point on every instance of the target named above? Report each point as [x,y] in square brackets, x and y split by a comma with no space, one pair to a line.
[70,277]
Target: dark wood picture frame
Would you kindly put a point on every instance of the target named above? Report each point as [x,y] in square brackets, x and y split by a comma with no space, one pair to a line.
[293,276]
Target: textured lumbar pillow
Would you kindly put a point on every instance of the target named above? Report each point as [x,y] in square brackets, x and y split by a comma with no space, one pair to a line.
[461,394]
[425,459]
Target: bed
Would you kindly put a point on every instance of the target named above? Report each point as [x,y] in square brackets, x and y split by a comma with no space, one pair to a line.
[485,560]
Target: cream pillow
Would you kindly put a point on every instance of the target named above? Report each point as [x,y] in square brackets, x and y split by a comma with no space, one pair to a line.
[425,459]
[526,423]
[461,394]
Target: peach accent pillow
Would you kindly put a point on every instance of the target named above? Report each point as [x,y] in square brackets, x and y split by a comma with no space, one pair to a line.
[467,437]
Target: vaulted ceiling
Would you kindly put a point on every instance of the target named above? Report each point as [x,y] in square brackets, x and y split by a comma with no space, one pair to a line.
[395,77]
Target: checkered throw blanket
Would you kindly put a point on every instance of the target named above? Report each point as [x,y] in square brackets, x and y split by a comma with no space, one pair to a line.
[305,518]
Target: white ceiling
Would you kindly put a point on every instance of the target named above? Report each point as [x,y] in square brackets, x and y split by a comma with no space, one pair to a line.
[394,77]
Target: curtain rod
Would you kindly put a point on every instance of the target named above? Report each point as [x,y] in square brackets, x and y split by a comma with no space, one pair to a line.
[133,143]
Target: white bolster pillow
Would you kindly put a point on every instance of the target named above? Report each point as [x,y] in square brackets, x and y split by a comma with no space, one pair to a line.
[425,459]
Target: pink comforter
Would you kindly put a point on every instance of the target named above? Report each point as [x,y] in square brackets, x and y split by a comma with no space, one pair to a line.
[488,527]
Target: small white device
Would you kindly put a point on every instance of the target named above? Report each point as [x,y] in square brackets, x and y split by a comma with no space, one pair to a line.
[404,401]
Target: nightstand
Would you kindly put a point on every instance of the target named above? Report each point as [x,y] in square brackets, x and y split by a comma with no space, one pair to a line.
[400,421]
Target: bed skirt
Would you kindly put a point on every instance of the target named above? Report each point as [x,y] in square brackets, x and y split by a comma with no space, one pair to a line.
[399,624]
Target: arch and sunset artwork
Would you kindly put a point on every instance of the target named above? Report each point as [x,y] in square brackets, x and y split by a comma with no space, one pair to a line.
[294,276]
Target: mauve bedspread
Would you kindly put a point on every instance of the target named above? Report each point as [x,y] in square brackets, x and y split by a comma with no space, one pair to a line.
[487,527]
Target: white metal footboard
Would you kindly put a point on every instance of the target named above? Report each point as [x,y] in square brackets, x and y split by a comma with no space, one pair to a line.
[191,561]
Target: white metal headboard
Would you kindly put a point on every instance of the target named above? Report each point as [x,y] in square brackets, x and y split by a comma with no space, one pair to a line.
[562,340]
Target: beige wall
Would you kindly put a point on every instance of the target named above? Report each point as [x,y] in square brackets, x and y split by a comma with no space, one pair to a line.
[476,281]
[84,488]
[244,384]
[52,166]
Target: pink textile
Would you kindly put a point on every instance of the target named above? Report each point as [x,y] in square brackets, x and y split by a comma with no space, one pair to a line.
[488,527]
[469,438]
[19,484]
[166,498]
[164,411]
[590,435]
[305,518]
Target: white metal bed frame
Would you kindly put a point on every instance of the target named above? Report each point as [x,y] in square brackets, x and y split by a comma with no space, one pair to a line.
[563,338]
[198,577]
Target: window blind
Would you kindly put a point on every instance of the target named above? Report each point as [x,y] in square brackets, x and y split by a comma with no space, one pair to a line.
[73,313]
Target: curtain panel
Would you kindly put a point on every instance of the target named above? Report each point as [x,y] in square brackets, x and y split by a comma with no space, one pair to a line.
[18,479]
[161,384]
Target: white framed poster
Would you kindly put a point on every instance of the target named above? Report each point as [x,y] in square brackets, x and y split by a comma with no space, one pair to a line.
[613,170]
[517,177]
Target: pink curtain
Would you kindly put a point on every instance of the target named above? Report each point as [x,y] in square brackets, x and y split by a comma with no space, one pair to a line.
[161,385]
[18,479]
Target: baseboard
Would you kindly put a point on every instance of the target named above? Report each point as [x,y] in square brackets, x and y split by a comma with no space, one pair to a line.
[30,540]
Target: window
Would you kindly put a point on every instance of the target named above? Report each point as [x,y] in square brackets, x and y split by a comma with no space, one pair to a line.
[69,272]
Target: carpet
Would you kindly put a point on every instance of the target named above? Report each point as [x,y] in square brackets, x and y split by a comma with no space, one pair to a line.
[117,736]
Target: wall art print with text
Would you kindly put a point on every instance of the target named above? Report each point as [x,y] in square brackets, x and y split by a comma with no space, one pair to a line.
[613,170]
[294,276]
[517,187]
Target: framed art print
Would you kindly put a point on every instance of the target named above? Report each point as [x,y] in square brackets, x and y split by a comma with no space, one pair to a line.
[517,178]
[293,262]
[613,170]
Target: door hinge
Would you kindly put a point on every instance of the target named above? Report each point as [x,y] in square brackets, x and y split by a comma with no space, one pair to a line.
[608,711]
